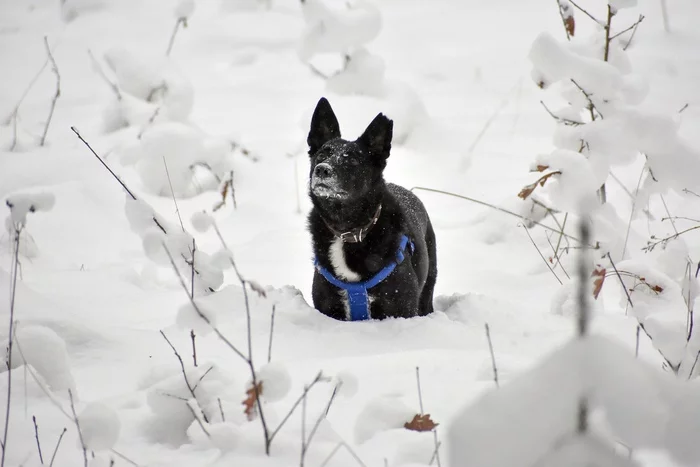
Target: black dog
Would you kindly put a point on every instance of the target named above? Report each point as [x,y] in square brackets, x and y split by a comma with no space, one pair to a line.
[374,243]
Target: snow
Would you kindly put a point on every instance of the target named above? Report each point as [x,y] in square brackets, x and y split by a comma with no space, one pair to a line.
[276,381]
[95,286]
[22,204]
[99,426]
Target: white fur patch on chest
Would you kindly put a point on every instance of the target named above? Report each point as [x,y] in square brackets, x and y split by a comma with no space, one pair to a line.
[340,267]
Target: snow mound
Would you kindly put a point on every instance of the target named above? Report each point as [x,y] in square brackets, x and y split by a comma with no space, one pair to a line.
[46,352]
[363,74]
[381,414]
[276,381]
[222,436]
[201,221]
[99,426]
[337,27]
[530,413]
[151,88]
[22,204]
[174,159]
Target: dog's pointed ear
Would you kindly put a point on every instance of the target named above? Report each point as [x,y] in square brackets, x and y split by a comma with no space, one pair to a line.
[377,136]
[324,126]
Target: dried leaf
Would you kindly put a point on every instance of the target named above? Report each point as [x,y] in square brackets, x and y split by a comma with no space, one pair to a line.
[570,25]
[599,274]
[528,189]
[421,423]
[249,401]
[656,288]
[257,288]
[541,168]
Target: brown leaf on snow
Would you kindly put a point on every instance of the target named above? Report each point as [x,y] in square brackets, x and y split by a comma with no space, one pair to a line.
[249,401]
[599,274]
[570,25]
[528,189]
[541,168]
[421,423]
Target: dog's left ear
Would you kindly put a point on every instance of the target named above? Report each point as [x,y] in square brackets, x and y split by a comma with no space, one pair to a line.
[377,136]
[324,126]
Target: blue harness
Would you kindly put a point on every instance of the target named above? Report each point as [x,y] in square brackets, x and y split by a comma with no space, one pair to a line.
[358,300]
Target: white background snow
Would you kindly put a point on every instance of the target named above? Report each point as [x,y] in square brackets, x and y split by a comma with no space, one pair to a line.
[236,94]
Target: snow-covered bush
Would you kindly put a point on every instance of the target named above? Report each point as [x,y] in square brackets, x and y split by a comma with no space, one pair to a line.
[603,126]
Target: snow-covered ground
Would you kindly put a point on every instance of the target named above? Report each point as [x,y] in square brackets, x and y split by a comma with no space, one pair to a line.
[90,302]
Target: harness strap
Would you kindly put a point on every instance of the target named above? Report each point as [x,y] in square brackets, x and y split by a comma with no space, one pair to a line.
[358,300]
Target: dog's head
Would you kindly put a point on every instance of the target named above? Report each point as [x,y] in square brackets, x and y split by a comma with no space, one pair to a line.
[344,170]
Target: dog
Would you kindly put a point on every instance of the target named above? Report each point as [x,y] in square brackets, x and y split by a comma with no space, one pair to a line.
[374,244]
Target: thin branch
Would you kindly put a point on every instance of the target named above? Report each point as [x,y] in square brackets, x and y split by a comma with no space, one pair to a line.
[563,120]
[561,8]
[317,424]
[36,435]
[98,68]
[172,193]
[505,211]
[541,255]
[272,329]
[591,105]
[249,360]
[194,414]
[342,444]
[190,388]
[434,430]
[199,311]
[171,42]
[221,409]
[652,245]
[493,356]
[77,425]
[636,344]
[194,347]
[10,339]
[54,68]
[55,450]
[608,23]
[585,12]
[633,26]
[634,206]
[194,388]
[582,292]
[295,405]
[116,177]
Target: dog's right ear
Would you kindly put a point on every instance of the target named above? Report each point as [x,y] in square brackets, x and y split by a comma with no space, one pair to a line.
[324,126]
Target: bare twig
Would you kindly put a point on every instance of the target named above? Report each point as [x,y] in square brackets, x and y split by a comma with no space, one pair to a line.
[634,205]
[172,193]
[180,21]
[591,105]
[563,120]
[652,245]
[249,360]
[77,425]
[633,26]
[664,15]
[199,311]
[307,442]
[194,388]
[541,255]
[585,12]
[342,444]
[10,339]
[636,344]
[436,453]
[98,68]
[221,409]
[567,24]
[606,51]
[116,177]
[58,443]
[505,211]
[307,388]
[190,388]
[194,414]
[272,329]
[493,356]
[54,68]
[36,435]
[194,347]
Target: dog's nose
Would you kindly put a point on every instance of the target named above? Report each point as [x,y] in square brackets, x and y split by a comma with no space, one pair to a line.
[323,170]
